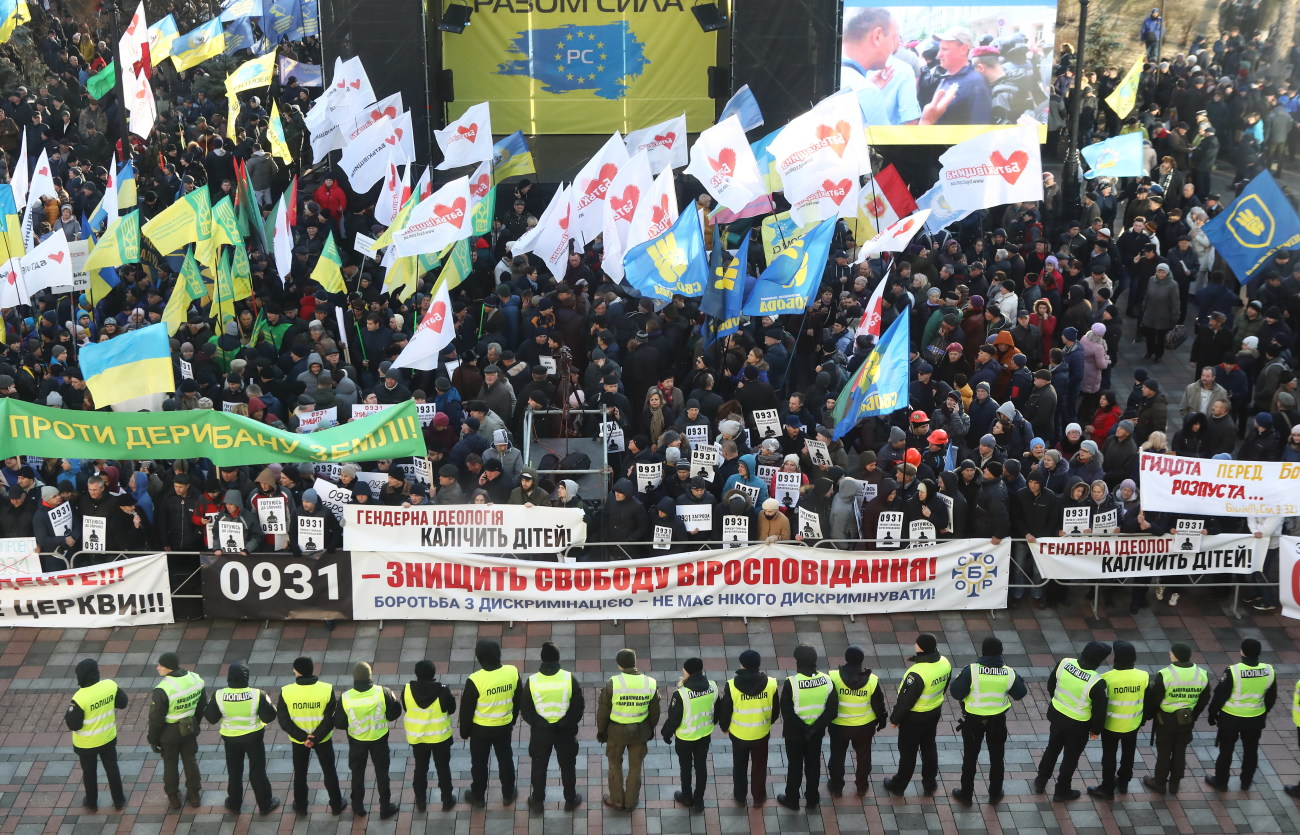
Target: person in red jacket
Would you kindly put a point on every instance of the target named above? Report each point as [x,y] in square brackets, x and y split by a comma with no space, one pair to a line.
[331,198]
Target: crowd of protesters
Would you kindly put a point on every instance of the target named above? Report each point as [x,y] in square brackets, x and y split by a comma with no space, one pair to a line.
[1017,318]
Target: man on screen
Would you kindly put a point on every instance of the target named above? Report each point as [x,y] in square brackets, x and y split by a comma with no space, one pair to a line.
[962,97]
[885,84]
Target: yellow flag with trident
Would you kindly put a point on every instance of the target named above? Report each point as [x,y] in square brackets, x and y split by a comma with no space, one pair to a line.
[1124,97]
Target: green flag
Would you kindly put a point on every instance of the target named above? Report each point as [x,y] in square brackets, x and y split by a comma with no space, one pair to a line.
[101,83]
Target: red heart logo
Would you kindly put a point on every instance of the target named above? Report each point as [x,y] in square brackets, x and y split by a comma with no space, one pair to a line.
[56,257]
[906,225]
[667,139]
[479,187]
[436,317]
[392,178]
[659,214]
[13,277]
[470,131]
[393,140]
[838,136]
[625,206]
[837,191]
[876,207]
[564,221]
[596,188]
[453,214]
[725,164]
[390,112]
[1010,167]
[44,172]
[355,84]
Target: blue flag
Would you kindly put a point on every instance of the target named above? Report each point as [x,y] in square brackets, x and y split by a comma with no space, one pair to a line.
[744,105]
[282,20]
[792,277]
[239,35]
[880,385]
[1119,156]
[603,59]
[307,75]
[1254,226]
[726,291]
[673,263]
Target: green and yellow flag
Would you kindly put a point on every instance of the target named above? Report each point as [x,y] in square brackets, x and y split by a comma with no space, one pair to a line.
[225,227]
[187,221]
[1124,97]
[275,134]
[328,272]
[458,267]
[119,245]
[189,286]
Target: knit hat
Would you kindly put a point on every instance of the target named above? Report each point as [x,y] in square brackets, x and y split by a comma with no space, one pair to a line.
[927,642]
[750,660]
[1250,648]
[1098,328]
[954,346]
[1182,652]
[994,468]
[1127,425]
[1152,383]
[771,505]
[47,492]
[304,666]
[991,646]
[1093,655]
[425,670]
[172,661]
[693,666]
[805,656]
[550,653]
[626,659]
[988,440]
[1070,334]
[361,671]
[854,656]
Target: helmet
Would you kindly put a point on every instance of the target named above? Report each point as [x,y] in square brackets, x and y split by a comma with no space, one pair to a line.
[920,417]
[938,436]
[913,457]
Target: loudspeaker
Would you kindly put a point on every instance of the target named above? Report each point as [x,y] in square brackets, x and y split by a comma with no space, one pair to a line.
[710,17]
[445,84]
[455,18]
[719,83]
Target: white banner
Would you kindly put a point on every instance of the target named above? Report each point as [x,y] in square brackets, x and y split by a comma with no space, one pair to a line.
[1219,488]
[761,581]
[1113,557]
[130,592]
[495,529]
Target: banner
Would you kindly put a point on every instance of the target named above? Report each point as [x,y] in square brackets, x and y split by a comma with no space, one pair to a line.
[760,581]
[130,592]
[276,588]
[495,529]
[1218,488]
[553,68]
[992,63]
[227,439]
[1255,225]
[1116,557]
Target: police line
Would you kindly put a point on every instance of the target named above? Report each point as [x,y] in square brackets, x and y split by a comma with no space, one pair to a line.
[131,592]
[1117,557]
[757,581]
[481,529]
[1172,484]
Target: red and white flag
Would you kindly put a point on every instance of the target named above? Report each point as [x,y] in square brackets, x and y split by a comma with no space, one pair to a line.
[895,237]
[480,183]
[468,140]
[656,213]
[436,331]
[997,167]
[663,144]
[13,290]
[723,162]
[140,103]
[871,315]
[349,93]
[396,189]
[436,222]
[133,46]
[365,159]
[47,265]
[390,107]
[882,200]
[549,239]
[591,188]
[632,184]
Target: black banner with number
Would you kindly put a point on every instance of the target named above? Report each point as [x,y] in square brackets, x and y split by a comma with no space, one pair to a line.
[279,587]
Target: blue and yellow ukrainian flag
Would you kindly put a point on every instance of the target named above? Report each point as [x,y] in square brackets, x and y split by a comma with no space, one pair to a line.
[13,13]
[881,385]
[511,157]
[132,365]
[198,45]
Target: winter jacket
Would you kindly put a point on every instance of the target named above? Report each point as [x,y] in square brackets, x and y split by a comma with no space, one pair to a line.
[1160,305]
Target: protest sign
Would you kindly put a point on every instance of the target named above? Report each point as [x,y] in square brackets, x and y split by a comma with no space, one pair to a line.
[19,557]
[230,536]
[767,423]
[735,531]
[696,518]
[810,524]
[818,453]
[94,531]
[333,496]
[787,488]
[274,515]
[889,530]
[1116,557]
[703,460]
[1194,486]
[311,534]
[495,529]
[258,588]
[649,476]
[130,592]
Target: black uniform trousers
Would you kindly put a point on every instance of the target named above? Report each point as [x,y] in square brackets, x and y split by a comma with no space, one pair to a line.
[1125,745]
[1171,748]
[329,773]
[859,737]
[376,752]
[803,753]
[543,742]
[693,755]
[483,741]
[440,753]
[180,750]
[90,759]
[1065,740]
[916,733]
[978,732]
[1231,729]
[253,747]
[749,765]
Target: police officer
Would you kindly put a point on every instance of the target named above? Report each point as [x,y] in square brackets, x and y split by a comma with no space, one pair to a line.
[985,690]
[1294,790]
[1126,689]
[690,719]
[1240,705]
[808,704]
[860,712]
[307,715]
[553,705]
[916,715]
[626,717]
[427,708]
[488,708]
[364,712]
[746,711]
[243,712]
[1175,700]
[1077,712]
[92,718]
[174,706]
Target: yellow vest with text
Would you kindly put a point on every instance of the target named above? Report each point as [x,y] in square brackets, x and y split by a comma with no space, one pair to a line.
[1073,696]
[238,706]
[751,716]
[990,690]
[810,695]
[496,696]
[306,705]
[98,704]
[367,718]
[182,695]
[697,712]
[1249,684]
[1125,692]
[935,674]
[630,697]
[854,708]
[424,724]
[1183,687]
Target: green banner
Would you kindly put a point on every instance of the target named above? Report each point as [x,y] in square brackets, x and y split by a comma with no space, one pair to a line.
[225,438]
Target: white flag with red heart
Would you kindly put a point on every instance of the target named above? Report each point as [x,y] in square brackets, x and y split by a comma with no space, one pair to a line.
[656,213]
[818,157]
[365,159]
[349,92]
[723,162]
[664,144]
[632,184]
[394,193]
[47,265]
[13,290]
[895,237]
[436,222]
[368,115]
[997,167]
[480,184]
[591,188]
[435,332]
[468,140]
[133,46]
[549,239]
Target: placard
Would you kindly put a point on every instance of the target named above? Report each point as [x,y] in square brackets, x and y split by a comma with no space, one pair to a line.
[697,434]
[649,476]
[279,588]
[187,370]
[333,496]
[765,472]
[767,423]
[696,518]
[549,364]
[920,533]
[94,530]
[810,524]
[735,531]
[365,245]
[1188,533]
[663,537]
[327,470]
[421,470]
[787,488]
[1076,520]
[1178,485]
[750,491]
[61,519]
[230,536]
[310,421]
[480,529]
[613,435]
[867,491]
[703,461]
[273,514]
[19,557]
[1105,522]
[818,452]
[889,529]
[311,534]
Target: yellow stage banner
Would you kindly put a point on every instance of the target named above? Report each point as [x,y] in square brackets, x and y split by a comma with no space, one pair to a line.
[583,66]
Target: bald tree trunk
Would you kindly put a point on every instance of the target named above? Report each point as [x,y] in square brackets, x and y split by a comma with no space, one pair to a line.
[1283,36]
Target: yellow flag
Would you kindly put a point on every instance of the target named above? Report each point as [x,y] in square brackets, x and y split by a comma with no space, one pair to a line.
[178,224]
[254,73]
[189,286]
[275,133]
[1124,97]
[328,272]
[403,276]
[223,294]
